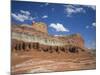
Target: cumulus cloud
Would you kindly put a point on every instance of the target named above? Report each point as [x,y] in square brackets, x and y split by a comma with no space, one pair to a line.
[58,35]
[22,16]
[45,4]
[94,24]
[59,27]
[25,12]
[91,26]
[92,7]
[19,17]
[45,16]
[73,9]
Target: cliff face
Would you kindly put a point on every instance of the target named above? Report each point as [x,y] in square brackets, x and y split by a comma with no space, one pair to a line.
[33,47]
[37,32]
[40,26]
[74,39]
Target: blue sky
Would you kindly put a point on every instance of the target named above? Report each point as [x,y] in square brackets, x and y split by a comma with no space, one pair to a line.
[61,19]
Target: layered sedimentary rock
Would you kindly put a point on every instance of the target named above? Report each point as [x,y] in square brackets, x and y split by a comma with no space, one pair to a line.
[40,26]
[27,37]
[74,39]
[34,50]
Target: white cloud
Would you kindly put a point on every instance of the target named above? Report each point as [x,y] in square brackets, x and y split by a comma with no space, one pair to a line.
[91,26]
[22,16]
[18,17]
[32,18]
[45,16]
[58,35]
[46,4]
[25,12]
[72,9]
[94,24]
[59,27]
[92,7]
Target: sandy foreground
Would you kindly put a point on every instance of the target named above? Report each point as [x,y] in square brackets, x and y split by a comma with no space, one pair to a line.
[36,62]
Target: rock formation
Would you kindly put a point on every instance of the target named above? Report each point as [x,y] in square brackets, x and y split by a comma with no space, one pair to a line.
[33,48]
[27,36]
[40,26]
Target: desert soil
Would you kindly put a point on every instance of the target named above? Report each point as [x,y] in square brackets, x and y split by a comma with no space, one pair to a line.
[36,62]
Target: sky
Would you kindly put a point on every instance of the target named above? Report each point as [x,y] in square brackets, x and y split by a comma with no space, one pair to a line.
[61,19]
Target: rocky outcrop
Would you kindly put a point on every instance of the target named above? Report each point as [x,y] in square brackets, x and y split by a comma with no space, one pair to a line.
[73,39]
[40,26]
[33,47]
[26,37]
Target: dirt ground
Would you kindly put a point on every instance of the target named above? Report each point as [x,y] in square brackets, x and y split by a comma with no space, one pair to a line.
[36,62]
